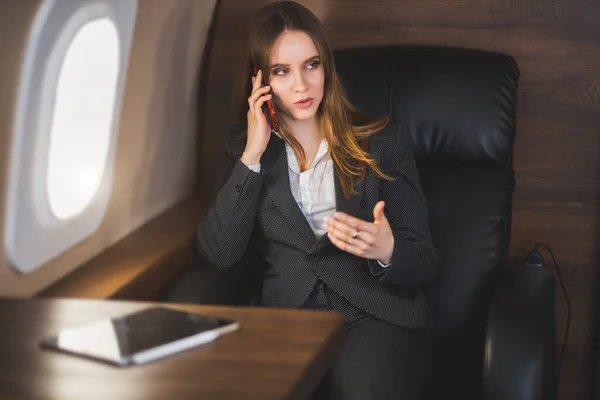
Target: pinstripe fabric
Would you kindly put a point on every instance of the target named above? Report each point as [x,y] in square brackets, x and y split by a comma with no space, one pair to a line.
[261,205]
[323,298]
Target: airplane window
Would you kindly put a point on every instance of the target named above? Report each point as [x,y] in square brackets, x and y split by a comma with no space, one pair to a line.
[83,114]
[66,126]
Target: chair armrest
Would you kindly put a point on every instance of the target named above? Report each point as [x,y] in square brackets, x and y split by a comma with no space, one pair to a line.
[520,343]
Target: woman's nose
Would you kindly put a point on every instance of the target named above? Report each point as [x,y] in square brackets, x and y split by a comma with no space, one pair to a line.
[299,83]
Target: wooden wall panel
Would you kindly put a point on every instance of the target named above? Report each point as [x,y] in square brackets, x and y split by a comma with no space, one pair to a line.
[557,46]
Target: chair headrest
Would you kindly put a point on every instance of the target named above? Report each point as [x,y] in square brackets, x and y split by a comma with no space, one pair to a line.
[459,104]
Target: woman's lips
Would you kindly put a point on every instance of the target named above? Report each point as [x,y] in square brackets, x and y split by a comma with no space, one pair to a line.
[304,103]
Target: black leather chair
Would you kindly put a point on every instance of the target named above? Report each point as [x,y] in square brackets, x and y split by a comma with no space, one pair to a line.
[495,325]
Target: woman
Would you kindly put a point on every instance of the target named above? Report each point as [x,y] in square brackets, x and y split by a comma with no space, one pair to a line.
[333,203]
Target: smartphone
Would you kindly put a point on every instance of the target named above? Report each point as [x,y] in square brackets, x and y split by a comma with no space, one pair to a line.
[271,107]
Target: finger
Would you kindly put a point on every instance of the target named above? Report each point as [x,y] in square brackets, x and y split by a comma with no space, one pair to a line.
[261,101]
[363,239]
[355,223]
[260,91]
[255,95]
[257,80]
[341,226]
[347,247]
[366,238]
[378,212]
[342,235]
[350,239]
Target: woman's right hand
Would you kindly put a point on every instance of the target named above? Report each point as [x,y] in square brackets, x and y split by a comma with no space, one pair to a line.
[259,131]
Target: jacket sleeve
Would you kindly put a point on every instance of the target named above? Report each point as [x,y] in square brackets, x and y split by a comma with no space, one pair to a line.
[414,261]
[223,235]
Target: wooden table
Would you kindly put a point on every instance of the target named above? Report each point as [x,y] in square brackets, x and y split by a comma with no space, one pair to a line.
[277,354]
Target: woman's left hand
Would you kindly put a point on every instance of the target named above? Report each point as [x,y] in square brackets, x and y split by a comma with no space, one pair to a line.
[361,238]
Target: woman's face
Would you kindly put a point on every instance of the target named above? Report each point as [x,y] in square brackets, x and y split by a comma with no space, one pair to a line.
[297,76]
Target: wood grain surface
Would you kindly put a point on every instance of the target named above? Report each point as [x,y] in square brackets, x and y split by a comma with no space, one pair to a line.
[276,354]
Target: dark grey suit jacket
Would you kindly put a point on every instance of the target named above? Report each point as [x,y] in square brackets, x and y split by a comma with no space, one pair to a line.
[261,206]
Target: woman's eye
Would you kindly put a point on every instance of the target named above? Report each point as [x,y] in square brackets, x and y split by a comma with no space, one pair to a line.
[313,65]
[279,72]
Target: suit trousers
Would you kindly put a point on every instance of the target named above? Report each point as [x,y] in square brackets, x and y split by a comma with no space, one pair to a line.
[380,361]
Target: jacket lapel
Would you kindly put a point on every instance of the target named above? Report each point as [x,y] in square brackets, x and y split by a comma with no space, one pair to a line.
[277,185]
[350,205]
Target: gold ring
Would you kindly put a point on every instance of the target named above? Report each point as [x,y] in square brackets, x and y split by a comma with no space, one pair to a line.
[355,235]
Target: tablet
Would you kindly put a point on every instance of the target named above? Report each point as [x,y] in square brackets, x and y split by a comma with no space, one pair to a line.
[140,337]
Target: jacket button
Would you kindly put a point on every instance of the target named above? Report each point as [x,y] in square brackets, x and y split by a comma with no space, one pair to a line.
[238,188]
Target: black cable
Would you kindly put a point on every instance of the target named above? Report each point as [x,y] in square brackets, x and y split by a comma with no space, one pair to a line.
[564,290]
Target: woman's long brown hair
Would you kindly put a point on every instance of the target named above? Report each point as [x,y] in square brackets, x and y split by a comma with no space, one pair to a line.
[345,128]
